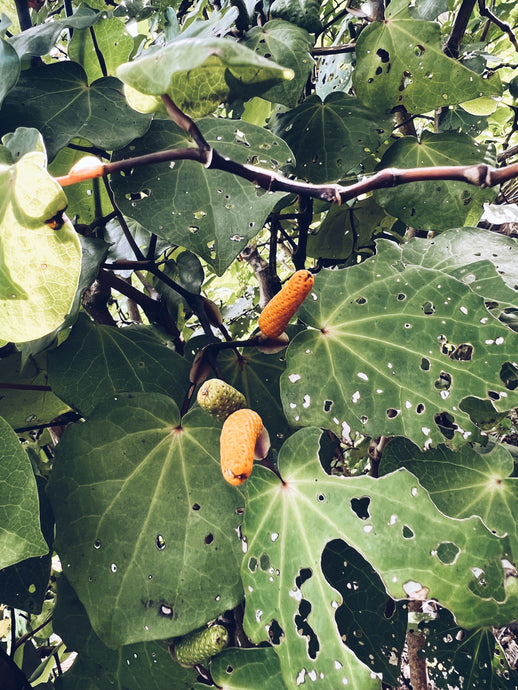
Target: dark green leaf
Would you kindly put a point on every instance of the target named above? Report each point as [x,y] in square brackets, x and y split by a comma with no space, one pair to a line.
[24,584]
[146,525]
[434,205]
[290,46]
[112,39]
[210,212]
[304,13]
[400,62]
[9,64]
[97,361]
[337,135]
[20,533]
[57,100]
[470,659]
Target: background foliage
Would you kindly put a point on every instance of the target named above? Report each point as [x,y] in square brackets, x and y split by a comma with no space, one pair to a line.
[378,540]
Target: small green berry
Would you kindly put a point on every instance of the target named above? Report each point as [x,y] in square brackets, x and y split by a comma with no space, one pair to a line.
[220,399]
[198,646]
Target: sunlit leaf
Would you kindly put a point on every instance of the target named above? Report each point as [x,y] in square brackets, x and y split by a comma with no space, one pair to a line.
[33,227]
[242,669]
[391,348]
[200,73]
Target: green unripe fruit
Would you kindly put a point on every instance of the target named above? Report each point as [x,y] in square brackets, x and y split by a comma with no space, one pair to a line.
[198,646]
[220,399]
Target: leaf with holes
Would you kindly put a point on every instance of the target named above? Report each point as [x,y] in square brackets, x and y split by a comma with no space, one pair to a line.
[130,667]
[57,100]
[435,205]
[397,529]
[36,293]
[371,623]
[20,533]
[210,212]
[132,464]
[463,483]
[400,61]
[464,253]
[202,72]
[393,349]
[241,669]
[460,658]
[290,46]
[96,361]
[338,134]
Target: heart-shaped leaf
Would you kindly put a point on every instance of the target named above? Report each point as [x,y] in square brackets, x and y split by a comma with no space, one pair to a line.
[465,482]
[434,205]
[338,134]
[210,212]
[400,61]
[96,361]
[392,348]
[57,100]
[162,481]
[289,45]
[20,533]
[304,13]
[200,73]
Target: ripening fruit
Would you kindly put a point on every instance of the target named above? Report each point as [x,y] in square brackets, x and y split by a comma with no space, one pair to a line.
[220,399]
[241,431]
[198,646]
[277,314]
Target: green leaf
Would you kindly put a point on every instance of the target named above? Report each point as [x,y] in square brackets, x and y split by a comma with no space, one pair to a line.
[464,253]
[338,134]
[20,533]
[242,669]
[27,405]
[397,529]
[290,46]
[38,40]
[97,361]
[435,205]
[9,61]
[30,304]
[372,624]
[303,13]
[57,100]
[132,464]
[391,348]
[468,659]
[113,41]
[464,483]
[200,73]
[210,212]
[400,62]
[257,375]
[131,667]
[24,585]
[348,229]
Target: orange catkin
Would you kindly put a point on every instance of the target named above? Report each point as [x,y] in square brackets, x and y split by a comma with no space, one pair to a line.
[237,442]
[277,314]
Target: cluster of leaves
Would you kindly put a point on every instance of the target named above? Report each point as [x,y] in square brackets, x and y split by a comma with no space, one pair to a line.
[388,479]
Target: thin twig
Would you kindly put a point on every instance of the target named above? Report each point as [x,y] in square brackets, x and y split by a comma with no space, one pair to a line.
[187,124]
[122,221]
[98,53]
[504,26]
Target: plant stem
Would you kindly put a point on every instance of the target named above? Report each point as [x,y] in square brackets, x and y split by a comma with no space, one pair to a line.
[451,49]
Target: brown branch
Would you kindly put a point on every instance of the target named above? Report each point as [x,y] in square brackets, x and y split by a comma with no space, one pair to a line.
[451,49]
[24,16]
[504,26]
[333,50]
[188,125]
[24,387]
